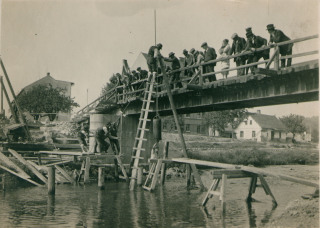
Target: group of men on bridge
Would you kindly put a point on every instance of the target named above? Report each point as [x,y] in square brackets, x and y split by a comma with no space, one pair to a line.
[193,58]
[239,46]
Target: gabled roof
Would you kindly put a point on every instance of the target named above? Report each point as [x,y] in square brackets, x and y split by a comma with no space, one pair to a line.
[267,121]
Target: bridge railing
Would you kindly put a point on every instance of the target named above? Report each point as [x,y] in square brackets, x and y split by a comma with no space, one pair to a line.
[199,77]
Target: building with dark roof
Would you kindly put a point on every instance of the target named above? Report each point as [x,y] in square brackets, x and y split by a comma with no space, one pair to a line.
[261,128]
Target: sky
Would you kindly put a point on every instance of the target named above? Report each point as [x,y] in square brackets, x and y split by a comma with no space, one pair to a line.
[85,41]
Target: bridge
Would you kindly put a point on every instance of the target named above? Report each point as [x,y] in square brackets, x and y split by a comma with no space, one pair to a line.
[269,84]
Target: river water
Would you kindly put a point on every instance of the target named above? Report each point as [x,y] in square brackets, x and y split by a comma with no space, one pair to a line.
[171,205]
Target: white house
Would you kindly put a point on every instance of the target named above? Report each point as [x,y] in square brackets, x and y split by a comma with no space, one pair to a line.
[261,128]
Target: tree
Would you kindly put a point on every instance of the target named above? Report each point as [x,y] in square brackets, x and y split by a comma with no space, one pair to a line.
[113,82]
[46,99]
[294,124]
[219,120]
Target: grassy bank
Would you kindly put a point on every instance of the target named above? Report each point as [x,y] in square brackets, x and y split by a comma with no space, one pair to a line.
[239,152]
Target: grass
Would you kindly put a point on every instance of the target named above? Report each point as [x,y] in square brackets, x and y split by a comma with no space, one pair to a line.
[244,152]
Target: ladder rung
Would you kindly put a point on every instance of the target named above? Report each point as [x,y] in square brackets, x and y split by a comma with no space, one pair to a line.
[143,109]
[135,148]
[151,101]
[216,193]
[137,157]
[146,188]
[132,178]
[145,119]
[143,139]
[145,129]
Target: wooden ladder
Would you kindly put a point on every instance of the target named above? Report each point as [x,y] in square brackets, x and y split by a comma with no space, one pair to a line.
[152,177]
[84,171]
[141,130]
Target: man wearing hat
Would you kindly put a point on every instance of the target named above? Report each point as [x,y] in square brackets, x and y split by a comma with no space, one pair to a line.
[277,36]
[209,54]
[188,61]
[142,73]
[153,53]
[238,46]
[253,43]
[101,145]
[175,65]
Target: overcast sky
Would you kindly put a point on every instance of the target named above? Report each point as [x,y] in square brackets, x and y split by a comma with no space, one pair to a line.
[85,41]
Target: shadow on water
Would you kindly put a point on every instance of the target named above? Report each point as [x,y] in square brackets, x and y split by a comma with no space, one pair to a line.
[171,205]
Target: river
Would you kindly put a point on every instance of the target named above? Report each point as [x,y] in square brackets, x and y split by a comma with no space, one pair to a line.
[171,205]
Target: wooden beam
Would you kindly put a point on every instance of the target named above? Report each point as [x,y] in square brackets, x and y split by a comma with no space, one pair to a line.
[12,165]
[19,175]
[175,115]
[28,165]
[64,173]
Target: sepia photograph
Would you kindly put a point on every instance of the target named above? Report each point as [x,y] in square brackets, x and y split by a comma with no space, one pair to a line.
[159,113]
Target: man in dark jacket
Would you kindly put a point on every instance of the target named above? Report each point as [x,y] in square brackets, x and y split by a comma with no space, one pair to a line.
[100,137]
[253,43]
[175,64]
[238,46]
[153,52]
[188,61]
[277,36]
[209,54]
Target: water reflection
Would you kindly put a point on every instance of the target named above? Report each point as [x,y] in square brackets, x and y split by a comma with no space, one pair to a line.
[170,205]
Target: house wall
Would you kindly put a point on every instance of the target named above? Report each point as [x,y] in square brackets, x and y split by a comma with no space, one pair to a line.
[247,129]
[267,133]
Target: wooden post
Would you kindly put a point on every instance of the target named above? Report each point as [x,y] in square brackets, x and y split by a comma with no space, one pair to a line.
[276,59]
[223,192]
[15,117]
[188,175]
[175,115]
[116,170]
[51,180]
[200,76]
[101,178]
[2,182]
[86,178]
[1,102]
[252,188]
[164,165]
[139,177]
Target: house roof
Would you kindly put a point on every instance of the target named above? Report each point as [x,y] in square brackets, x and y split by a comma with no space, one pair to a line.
[267,121]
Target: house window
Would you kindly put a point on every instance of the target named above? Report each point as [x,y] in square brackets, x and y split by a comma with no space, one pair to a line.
[279,134]
[198,129]
[187,115]
[241,134]
[250,122]
[246,122]
[253,134]
[187,127]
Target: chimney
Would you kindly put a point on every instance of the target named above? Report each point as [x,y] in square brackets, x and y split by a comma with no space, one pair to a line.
[259,111]
[48,74]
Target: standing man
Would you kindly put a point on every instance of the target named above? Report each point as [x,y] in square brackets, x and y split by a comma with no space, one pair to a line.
[113,137]
[175,64]
[253,43]
[209,54]
[153,53]
[188,61]
[277,36]
[100,136]
[238,46]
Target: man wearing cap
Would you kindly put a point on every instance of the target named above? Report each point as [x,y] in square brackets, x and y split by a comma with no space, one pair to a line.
[153,53]
[209,54]
[188,61]
[277,36]
[175,65]
[238,46]
[253,43]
